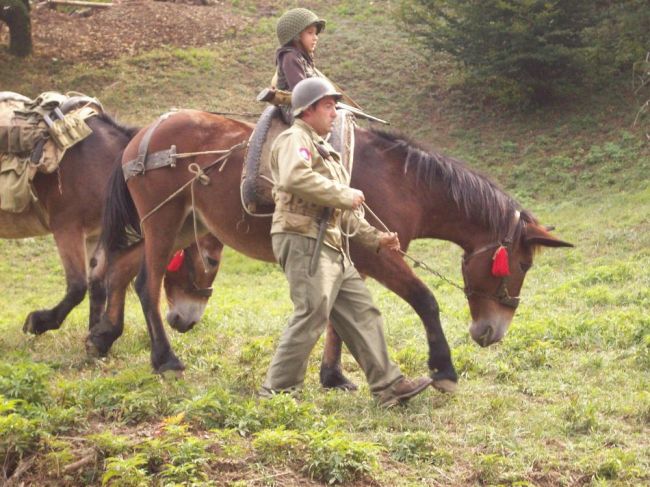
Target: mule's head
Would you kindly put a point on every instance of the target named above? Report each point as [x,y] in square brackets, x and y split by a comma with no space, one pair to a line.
[493,297]
[188,282]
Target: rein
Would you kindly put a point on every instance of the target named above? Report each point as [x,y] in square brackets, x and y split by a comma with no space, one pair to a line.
[501,295]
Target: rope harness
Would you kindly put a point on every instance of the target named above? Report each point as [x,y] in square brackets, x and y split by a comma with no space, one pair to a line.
[201,175]
[501,295]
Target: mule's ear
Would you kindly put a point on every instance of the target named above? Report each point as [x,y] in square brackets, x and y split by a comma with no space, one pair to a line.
[537,235]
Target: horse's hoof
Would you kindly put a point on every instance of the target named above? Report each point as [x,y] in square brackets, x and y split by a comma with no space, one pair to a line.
[171,375]
[36,323]
[333,378]
[28,326]
[173,364]
[445,385]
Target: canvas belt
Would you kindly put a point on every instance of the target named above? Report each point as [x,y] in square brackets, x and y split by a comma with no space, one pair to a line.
[300,209]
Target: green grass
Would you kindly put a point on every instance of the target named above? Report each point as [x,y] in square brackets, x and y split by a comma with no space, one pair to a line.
[563,400]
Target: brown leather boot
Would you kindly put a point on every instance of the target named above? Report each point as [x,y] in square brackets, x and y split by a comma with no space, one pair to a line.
[403,390]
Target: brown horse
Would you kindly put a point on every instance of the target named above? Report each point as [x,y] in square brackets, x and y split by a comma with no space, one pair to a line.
[419,194]
[73,198]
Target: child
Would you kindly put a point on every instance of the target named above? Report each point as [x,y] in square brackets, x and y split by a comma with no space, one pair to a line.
[297,31]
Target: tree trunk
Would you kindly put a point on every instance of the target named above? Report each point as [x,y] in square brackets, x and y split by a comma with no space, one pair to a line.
[15,13]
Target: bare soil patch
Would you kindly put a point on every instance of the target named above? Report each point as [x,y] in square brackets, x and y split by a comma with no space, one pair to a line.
[130,27]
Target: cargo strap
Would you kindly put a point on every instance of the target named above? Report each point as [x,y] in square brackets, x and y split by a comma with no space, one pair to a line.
[144,161]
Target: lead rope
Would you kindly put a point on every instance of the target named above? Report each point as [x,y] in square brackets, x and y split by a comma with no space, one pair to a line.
[359,213]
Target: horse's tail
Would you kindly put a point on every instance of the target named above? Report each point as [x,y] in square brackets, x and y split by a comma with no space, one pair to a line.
[120,220]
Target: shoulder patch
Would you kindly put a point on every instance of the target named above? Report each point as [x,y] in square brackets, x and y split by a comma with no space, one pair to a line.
[304,154]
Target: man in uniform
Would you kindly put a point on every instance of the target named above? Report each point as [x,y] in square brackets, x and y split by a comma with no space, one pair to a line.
[310,192]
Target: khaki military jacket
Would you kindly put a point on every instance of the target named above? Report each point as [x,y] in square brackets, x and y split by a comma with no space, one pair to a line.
[305,183]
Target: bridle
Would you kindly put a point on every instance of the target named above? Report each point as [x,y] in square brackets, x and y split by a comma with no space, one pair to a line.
[501,296]
[192,287]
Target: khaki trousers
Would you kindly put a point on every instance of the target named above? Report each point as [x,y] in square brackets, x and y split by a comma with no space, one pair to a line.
[337,293]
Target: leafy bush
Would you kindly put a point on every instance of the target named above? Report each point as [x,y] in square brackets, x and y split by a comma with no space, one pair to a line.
[278,445]
[18,435]
[334,457]
[416,447]
[126,471]
[110,444]
[283,410]
[26,380]
[208,411]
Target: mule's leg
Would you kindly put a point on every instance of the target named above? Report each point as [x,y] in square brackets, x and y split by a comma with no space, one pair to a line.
[97,286]
[331,373]
[158,242]
[120,270]
[70,242]
[394,273]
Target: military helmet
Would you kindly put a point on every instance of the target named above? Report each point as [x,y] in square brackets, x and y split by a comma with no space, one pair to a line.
[294,21]
[309,91]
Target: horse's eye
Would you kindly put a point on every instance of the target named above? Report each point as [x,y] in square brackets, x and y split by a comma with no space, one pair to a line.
[525,266]
[212,262]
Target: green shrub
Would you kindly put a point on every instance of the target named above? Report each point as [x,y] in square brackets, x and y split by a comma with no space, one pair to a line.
[334,457]
[418,447]
[17,434]
[126,471]
[25,380]
[109,444]
[208,411]
[278,445]
[282,410]
[188,458]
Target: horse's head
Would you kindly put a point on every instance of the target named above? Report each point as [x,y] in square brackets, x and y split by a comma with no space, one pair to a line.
[188,282]
[494,274]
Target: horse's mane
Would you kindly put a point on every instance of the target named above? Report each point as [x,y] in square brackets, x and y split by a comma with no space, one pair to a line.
[125,129]
[482,200]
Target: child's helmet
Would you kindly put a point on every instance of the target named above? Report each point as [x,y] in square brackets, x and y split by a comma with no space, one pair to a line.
[309,91]
[294,21]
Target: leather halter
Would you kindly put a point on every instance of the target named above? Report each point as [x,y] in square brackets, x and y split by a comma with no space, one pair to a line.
[192,287]
[501,296]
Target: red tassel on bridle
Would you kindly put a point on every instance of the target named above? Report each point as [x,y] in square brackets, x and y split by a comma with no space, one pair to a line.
[500,266]
[176,261]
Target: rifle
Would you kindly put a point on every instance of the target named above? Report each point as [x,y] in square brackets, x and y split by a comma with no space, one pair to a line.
[279,97]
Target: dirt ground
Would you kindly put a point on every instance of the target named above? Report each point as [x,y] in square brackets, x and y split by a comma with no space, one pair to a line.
[128,27]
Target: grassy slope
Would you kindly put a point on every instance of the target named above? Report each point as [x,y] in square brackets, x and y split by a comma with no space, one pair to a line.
[563,400]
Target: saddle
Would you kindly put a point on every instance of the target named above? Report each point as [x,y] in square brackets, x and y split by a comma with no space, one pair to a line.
[34,135]
[257,183]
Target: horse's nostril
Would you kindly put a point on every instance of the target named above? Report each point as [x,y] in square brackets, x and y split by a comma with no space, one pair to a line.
[172,318]
[485,337]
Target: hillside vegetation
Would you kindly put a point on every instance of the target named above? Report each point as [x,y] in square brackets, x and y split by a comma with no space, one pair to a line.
[563,400]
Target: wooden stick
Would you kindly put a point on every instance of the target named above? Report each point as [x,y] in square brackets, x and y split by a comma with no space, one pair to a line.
[79,463]
[78,3]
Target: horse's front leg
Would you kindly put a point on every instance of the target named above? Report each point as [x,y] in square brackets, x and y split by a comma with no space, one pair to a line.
[109,279]
[391,270]
[70,242]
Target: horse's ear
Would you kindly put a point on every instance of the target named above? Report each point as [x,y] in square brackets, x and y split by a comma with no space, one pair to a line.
[535,235]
